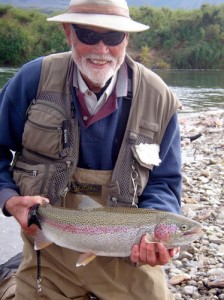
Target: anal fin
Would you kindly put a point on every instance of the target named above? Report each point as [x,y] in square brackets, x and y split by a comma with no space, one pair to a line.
[84,259]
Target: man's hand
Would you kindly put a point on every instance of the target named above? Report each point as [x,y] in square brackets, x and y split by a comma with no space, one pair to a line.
[152,254]
[19,207]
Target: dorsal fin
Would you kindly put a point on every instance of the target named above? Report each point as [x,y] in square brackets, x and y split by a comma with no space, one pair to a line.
[88,203]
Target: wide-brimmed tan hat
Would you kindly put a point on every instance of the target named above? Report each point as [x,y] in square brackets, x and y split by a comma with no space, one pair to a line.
[109,14]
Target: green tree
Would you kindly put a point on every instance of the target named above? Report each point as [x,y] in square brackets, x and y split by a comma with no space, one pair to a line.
[145,56]
[14,43]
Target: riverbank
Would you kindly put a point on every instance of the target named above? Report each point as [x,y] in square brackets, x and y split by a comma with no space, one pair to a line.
[198,273]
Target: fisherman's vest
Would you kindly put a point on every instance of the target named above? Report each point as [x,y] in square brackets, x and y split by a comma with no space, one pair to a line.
[51,134]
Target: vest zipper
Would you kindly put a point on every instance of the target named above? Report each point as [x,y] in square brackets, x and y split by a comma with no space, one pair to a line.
[44,127]
[34,173]
[30,172]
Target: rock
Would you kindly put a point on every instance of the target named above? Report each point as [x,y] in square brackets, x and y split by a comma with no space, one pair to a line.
[179,278]
[177,263]
[189,290]
[217,282]
[205,173]
[203,179]
[185,254]
[216,271]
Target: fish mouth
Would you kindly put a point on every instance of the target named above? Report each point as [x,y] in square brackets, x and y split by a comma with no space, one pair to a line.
[195,230]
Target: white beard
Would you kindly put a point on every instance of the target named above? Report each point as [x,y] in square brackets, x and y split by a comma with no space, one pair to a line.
[96,76]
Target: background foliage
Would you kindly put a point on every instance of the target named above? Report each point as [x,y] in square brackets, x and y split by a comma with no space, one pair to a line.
[182,39]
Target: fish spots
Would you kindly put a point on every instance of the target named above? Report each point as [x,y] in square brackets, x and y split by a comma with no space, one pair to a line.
[164,232]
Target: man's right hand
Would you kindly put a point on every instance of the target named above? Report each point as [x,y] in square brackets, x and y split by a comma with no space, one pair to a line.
[19,207]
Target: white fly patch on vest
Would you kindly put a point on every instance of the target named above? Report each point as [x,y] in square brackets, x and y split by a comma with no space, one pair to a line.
[148,154]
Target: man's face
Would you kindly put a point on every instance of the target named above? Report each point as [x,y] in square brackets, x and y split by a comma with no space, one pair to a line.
[97,63]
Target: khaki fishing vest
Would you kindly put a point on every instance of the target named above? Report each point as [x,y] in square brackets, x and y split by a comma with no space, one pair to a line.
[51,134]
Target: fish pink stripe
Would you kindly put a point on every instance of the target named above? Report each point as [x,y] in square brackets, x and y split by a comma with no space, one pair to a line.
[85,229]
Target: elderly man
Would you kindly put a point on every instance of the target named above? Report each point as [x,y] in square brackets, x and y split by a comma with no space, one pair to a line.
[74,120]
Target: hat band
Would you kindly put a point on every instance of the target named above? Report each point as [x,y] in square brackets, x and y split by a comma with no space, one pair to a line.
[99,9]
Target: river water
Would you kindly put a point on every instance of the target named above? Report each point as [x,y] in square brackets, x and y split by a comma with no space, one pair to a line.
[197,90]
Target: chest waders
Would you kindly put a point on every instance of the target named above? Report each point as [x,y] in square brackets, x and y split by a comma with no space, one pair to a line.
[106,277]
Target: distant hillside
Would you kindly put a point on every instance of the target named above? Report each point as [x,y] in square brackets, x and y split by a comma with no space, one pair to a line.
[63,4]
[174,4]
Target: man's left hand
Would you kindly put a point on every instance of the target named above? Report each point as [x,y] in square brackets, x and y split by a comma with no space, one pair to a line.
[152,254]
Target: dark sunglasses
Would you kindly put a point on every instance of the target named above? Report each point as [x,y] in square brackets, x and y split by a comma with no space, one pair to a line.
[90,37]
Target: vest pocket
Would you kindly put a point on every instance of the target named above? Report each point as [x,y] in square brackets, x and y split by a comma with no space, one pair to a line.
[32,179]
[46,130]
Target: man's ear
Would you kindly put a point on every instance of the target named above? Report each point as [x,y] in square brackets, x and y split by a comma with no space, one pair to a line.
[67,30]
[127,35]
[127,38]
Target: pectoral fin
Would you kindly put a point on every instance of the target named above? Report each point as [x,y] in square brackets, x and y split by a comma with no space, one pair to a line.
[41,241]
[84,259]
[149,238]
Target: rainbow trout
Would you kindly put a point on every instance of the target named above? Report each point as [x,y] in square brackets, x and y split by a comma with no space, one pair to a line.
[105,231]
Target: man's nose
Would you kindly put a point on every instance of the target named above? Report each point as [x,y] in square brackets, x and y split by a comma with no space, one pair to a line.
[101,48]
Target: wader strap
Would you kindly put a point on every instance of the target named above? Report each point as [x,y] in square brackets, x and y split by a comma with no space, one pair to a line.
[38,271]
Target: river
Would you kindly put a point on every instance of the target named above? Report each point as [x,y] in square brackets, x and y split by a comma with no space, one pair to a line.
[197,90]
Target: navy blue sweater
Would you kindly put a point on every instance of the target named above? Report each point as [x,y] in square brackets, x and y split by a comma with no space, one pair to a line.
[98,143]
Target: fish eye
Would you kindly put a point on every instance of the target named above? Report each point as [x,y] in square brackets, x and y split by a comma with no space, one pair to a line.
[184,227]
